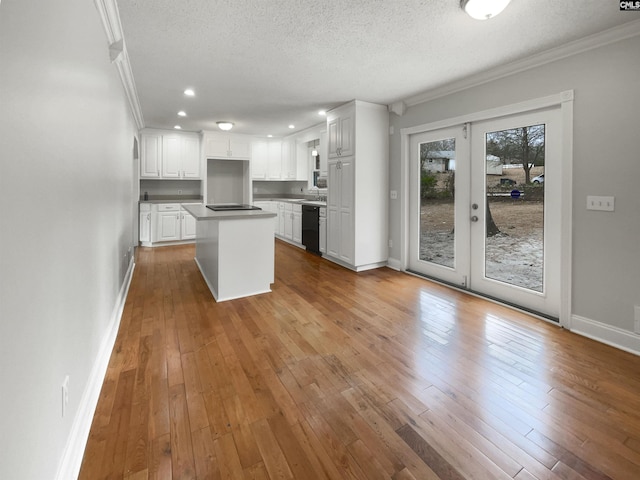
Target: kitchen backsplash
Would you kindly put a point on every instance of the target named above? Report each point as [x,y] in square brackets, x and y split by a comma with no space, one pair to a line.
[167,190]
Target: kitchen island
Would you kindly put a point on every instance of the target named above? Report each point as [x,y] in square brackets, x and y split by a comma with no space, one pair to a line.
[234,251]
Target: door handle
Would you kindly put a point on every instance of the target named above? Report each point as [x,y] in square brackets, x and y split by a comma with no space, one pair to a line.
[474,206]
[474,218]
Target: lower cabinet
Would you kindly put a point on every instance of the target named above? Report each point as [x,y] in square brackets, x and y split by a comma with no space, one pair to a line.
[288,222]
[168,224]
[165,222]
[187,226]
[322,222]
[144,229]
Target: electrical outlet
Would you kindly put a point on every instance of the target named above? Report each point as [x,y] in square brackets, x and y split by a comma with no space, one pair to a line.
[179,192]
[636,323]
[65,395]
[394,194]
[390,243]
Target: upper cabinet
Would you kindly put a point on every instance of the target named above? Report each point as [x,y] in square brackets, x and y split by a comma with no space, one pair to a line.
[226,146]
[181,156]
[150,155]
[340,131]
[170,155]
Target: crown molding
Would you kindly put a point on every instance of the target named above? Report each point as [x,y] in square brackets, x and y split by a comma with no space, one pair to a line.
[606,37]
[108,11]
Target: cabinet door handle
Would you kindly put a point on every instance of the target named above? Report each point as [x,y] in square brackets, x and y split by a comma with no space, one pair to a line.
[158,171]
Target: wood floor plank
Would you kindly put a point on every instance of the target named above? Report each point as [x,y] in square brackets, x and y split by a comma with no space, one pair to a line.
[343,375]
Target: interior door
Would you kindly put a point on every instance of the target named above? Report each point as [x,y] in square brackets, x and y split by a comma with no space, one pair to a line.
[439,204]
[515,197]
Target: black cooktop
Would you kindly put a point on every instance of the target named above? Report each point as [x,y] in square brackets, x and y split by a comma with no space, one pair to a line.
[225,207]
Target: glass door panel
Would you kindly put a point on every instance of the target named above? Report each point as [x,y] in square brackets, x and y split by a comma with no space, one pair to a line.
[439,198]
[514,209]
[437,202]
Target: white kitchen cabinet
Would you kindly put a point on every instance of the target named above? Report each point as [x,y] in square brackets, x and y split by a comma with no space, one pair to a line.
[340,131]
[187,226]
[288,221]
[357,188]
[281,215]
[150,155]
[259,159]
[322,234]
[296,234]
[340,209]
[145,224]
[167,226]
[167,222]
[180,156]
[169,155]
[289,160]
[274,163]
[226,145]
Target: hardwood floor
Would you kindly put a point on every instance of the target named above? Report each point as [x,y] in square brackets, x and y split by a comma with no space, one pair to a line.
[338,375]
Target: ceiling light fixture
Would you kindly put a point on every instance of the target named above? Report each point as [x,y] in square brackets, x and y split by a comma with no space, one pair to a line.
[182,113]
[177,127]
[292,126]
[189,92]
[225,125]
[322,112]
[483,9]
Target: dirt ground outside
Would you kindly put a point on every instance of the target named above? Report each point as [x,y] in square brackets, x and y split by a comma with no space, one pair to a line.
[515,255]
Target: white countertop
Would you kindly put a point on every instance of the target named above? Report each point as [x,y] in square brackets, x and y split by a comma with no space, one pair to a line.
[201,212]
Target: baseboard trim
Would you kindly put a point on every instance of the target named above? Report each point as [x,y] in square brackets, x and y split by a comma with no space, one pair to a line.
[71,460]
[607,334]
[395,264]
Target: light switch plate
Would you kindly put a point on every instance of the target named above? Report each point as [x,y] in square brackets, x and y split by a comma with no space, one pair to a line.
[605,204]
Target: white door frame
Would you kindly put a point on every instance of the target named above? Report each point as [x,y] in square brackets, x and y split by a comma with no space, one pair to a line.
[565,101]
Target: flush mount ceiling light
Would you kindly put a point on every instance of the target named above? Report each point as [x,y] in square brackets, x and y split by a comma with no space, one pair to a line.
[182,113]
[189,92]
[483,9]
[224,125]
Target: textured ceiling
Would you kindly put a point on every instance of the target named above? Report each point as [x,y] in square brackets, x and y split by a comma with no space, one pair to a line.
[264,64]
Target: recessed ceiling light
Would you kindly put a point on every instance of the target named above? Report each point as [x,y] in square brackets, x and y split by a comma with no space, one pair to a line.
[182,113]
[322,112]
[189,92]
[270,136]
[292,126]
[225,125]
[177,127]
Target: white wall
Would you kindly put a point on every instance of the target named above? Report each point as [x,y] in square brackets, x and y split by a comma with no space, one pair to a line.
[65,242]
[606,246]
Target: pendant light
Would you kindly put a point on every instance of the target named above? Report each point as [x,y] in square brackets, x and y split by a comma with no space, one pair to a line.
[483,9]
[314,151]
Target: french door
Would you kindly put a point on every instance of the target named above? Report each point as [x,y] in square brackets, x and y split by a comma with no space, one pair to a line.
[484,209]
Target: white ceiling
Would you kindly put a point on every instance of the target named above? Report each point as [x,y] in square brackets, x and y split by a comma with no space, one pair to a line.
[264,64]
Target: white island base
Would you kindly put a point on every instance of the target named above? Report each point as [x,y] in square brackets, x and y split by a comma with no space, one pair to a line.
[236,256]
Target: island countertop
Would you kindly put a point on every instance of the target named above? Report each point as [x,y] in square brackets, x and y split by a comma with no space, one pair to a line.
[201,212]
